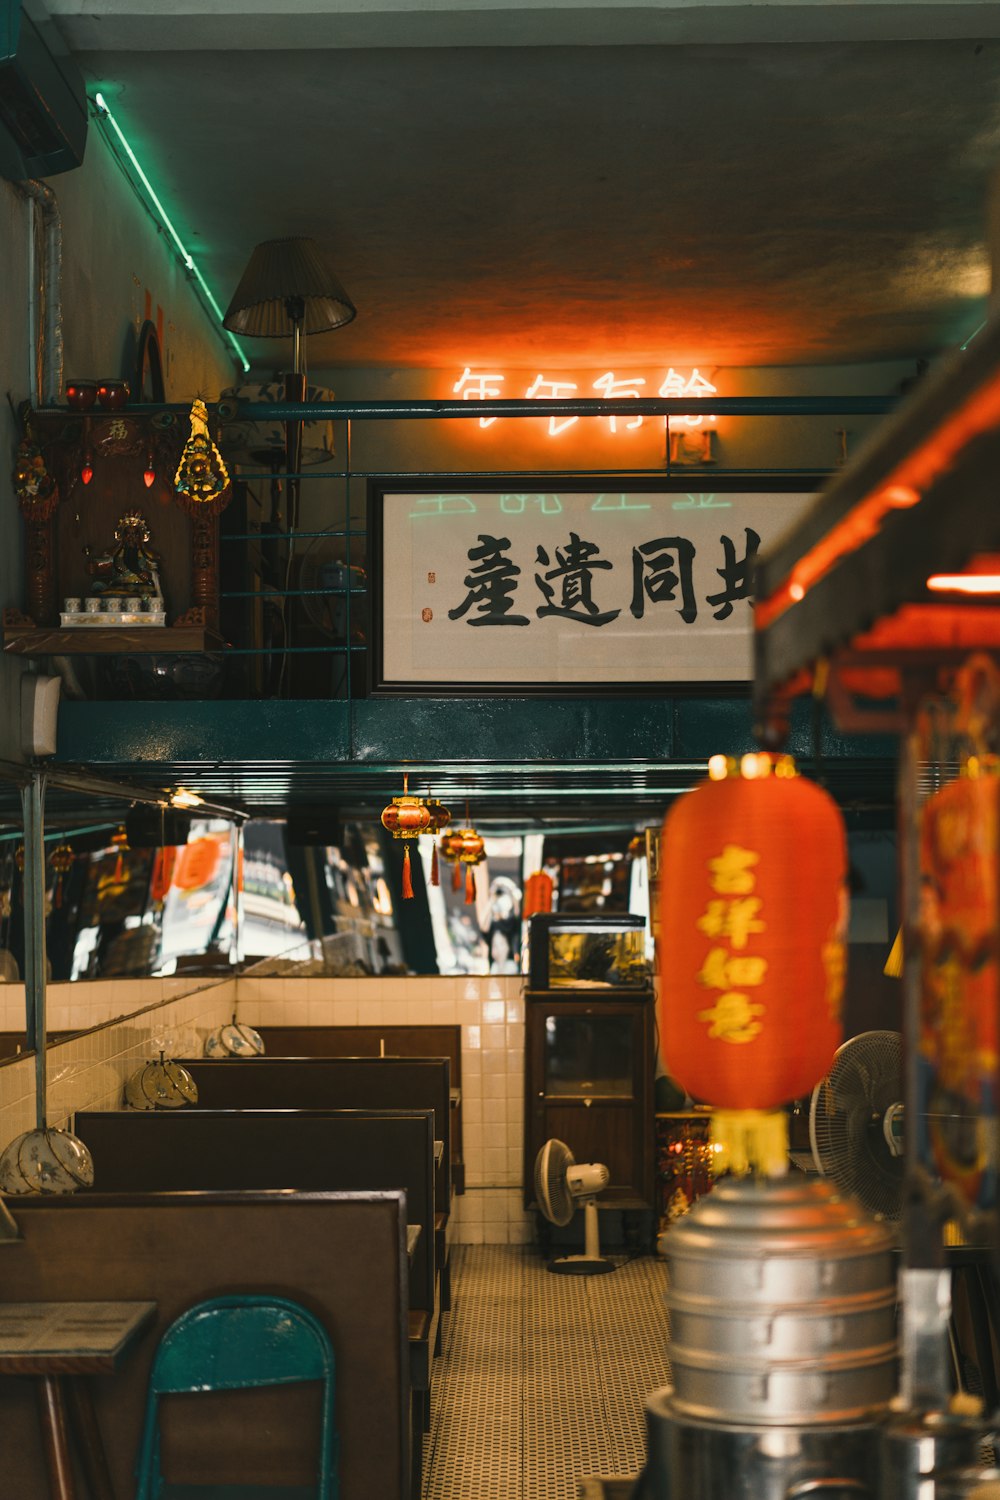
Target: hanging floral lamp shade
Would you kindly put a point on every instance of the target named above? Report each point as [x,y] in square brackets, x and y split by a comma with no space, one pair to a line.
[235,1039]
[162,1084]
[45,1161]
[753,915]
[406,818]
[201,478]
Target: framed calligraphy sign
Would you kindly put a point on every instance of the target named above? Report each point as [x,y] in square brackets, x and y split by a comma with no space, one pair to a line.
[564,585]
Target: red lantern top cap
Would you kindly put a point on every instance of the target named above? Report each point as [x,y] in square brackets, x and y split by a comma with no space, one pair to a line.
[752,767]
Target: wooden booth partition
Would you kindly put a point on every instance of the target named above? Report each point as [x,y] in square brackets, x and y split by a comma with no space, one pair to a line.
[343,1256]
[373,1083]
[382,1041]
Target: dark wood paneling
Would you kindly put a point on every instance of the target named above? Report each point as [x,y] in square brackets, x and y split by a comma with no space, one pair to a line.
[340,1256]
[243,1150]
[380,1041]
[334,1083]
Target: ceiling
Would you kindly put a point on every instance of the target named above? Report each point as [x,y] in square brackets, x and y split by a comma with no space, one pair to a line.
[503,181]
[735,184]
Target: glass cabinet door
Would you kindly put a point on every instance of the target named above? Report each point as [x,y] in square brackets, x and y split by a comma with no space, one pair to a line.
[590,1056]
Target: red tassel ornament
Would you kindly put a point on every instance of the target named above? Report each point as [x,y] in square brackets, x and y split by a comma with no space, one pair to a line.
[435,873]
[407,879]
[470,886]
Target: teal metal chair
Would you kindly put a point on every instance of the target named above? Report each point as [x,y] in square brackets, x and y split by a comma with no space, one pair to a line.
[234,1343]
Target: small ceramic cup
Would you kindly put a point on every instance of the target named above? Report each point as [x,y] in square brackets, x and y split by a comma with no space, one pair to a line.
[72,606]
[133,606]
[92,606]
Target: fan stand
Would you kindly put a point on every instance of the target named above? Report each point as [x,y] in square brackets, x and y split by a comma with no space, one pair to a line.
[591,1262]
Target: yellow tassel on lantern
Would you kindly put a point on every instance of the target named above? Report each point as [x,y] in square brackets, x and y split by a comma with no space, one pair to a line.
[749,1140]
[407,882]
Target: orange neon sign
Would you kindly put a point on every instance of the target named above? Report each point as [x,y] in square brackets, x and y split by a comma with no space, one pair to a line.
[488,386]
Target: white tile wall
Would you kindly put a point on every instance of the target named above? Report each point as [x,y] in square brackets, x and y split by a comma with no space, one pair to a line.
[89,1071]
[490,1012]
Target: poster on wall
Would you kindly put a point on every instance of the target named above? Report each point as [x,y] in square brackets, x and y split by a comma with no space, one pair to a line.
[565,588]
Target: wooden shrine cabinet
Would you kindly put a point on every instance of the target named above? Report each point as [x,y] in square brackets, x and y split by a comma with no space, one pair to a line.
[589,1065]
[101,467]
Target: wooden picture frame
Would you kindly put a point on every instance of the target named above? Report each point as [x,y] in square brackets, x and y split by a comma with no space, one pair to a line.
[585,585]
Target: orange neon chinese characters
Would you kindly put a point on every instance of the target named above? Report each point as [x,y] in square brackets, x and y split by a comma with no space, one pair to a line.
[752,918]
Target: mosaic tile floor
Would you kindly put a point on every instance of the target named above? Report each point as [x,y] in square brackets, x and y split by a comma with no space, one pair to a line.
[542,1378]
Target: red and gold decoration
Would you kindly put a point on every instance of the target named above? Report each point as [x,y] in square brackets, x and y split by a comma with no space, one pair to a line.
[119,841]
[203,490]
[538,890]
[440,818]
[471,851]
[164,864]
[406,818]
[753,916]
[60,862]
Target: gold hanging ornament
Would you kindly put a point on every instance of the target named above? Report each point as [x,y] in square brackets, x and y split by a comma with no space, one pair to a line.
[119,841]
[201,475]
[407,818]
[440,818]
[470,850]
[61,862]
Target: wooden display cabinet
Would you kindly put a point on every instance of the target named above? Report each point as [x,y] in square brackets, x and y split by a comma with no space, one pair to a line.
[589,1066]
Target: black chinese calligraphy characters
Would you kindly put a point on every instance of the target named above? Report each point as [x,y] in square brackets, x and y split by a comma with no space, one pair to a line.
[657,569]
[576,564]
[737,577]
[491,583]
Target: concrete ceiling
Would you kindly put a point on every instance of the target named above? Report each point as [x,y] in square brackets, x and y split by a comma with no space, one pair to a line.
[714,184]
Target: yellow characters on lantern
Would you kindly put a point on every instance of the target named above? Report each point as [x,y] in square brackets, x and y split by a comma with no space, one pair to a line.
[732,914]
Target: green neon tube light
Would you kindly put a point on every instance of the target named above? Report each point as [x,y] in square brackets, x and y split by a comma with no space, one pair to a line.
[164,218]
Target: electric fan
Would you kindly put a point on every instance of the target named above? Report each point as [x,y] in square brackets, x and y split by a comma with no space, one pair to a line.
[856,1121]
[560,1187]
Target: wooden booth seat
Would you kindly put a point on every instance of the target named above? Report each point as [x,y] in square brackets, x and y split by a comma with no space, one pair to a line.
[342,1255]
[382,1041]
[328,1150]
[342,1083]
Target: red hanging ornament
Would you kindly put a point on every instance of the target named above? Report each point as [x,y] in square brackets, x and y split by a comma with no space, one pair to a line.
[119,840]
[61,861]
[440,818]
[162,876]
[406,817]
[753,912]
[537,894]
[149,472]
[196,864]
[471,850]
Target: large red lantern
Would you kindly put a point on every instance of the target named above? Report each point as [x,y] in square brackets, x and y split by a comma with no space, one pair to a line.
[753,913]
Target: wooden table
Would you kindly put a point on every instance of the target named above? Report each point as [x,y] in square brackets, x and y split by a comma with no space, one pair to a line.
[59,1343]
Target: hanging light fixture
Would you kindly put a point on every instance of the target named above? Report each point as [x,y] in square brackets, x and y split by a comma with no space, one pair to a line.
[406,818]
[235,1039]
[162,1084]
[61,862]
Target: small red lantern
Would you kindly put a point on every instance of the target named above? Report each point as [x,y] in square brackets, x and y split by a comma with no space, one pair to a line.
[407,818]
[753,914]
[440,818]
[61,861]
[537,893]
[196,864]
[163,873]
[471,851]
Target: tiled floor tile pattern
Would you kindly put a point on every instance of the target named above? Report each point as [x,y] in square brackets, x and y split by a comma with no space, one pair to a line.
[543,1378]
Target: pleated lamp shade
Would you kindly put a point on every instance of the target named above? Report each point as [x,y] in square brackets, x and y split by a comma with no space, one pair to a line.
[281,274]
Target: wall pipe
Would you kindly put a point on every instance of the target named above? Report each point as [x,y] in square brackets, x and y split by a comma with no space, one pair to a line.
[644,406]
[50,287]
[32,807]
